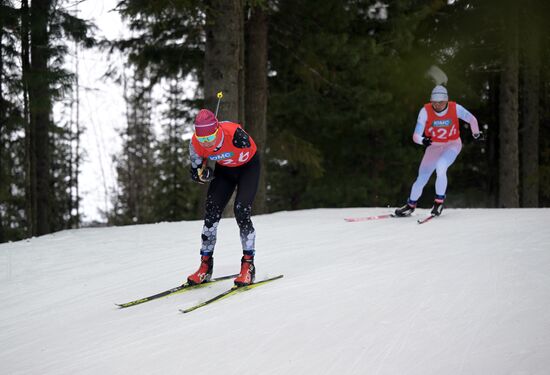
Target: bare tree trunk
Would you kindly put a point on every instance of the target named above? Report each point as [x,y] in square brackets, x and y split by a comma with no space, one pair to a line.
[3,181]
[508,115]
[256,92]
[530,107]
[76,203]
[222,66]
[30,182]
[242,65]
[223,62]
[492,141]
[40,109]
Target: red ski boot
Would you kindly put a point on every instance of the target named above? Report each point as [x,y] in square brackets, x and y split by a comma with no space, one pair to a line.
[248,271]
[204,273]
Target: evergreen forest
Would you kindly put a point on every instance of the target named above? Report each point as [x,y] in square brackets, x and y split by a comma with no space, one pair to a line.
[330,90]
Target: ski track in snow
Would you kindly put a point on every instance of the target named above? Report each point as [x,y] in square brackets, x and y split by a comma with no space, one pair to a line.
[466,293]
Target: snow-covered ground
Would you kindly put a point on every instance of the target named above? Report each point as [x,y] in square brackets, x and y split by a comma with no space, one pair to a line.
[467,293]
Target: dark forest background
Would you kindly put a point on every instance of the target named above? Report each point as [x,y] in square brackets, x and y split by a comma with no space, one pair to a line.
[329,89]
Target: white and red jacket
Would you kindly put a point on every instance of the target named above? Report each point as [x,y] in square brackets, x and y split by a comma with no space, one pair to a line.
[443,127]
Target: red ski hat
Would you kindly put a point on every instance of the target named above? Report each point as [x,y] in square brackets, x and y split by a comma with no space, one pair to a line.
[206,123]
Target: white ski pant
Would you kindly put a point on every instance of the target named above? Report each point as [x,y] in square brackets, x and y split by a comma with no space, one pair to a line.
[438,157]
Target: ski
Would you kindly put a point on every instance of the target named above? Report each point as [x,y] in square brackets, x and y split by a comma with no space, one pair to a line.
[367,218]
[234,290]
[179,289]
[375,217]
[426,219]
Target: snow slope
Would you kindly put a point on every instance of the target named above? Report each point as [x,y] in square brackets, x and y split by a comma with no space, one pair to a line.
[467,293]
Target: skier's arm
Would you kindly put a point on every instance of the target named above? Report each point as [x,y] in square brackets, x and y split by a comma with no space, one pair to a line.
[241,139]
[465,115]
[418,135]
[196,163]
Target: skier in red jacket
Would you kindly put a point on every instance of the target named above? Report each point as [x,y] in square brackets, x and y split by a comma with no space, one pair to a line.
[237,166]
[437,128]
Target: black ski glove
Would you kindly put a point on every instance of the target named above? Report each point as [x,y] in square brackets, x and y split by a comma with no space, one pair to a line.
[202,175]
[479,137]
[195,175]
[426,141]
[206,175]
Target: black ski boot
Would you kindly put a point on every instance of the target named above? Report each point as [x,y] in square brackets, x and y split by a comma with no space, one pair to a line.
[406,210]
[437,208]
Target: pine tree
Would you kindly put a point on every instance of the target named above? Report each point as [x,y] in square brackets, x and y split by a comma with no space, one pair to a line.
[175,196]
[12,198]
[168,37]
[33,48]
[135,166]
[168,42]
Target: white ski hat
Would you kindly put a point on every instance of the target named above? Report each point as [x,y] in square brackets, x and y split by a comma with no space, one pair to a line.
[439,94]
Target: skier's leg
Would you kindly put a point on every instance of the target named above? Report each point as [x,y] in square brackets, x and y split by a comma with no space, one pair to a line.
[219,193]
[427,166]
[447,158]
[246,192]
